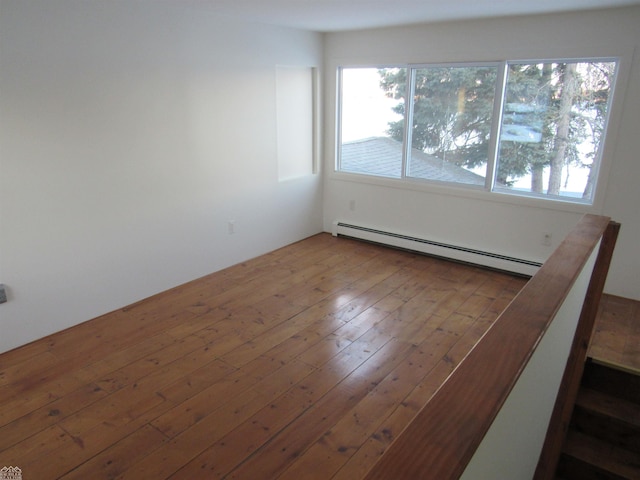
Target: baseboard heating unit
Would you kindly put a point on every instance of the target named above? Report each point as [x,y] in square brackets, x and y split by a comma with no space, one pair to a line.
[430,247]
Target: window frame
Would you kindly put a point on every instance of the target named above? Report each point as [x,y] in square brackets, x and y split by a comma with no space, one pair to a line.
[489,188]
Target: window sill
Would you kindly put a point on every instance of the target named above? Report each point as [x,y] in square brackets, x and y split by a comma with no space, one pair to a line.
[468,191]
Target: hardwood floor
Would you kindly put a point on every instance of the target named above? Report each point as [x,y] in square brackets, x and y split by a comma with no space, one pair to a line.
[303,363]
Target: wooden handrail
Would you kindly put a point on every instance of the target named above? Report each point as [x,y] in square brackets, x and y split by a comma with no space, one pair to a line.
[441,440]
[566,399]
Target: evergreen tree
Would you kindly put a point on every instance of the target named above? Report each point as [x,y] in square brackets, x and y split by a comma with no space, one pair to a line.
[551,113]
[451,113]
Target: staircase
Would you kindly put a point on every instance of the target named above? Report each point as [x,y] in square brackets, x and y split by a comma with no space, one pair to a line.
[603,442]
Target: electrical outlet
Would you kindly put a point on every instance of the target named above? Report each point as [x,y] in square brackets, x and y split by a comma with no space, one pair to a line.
[231,227]
[546,239]
[352,205]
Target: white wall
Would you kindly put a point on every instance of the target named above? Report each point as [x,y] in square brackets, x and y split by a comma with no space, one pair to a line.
[130,134]
[511,447]
[486,221]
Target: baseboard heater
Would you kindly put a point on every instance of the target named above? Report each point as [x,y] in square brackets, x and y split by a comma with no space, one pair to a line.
[439,249]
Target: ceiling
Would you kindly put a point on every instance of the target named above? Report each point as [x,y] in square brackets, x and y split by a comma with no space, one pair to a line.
[337,15]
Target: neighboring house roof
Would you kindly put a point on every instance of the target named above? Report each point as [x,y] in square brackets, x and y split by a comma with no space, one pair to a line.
[383,156]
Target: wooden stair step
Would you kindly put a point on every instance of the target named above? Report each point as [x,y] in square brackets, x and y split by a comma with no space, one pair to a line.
[574,469]
[620,383]
[606,459]
[604,428]
[608,418]
[607,405]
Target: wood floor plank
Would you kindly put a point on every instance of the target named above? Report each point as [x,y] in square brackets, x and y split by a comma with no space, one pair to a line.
[254,348]
[138,393]
[22,354]
[49,414]
[338,444]
[376,444]
[126,357]
[201,428]
[19,402]
[30,454]
[205,403]
[25,371]
[120,456]
[312,415]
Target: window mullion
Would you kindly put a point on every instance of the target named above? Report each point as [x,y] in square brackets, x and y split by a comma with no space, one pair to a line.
[408,121]
[339,96]
[496,123]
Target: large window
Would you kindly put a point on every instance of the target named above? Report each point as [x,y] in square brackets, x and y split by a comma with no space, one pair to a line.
[525,128]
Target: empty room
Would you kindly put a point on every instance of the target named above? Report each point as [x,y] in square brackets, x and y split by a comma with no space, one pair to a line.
[327,240]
